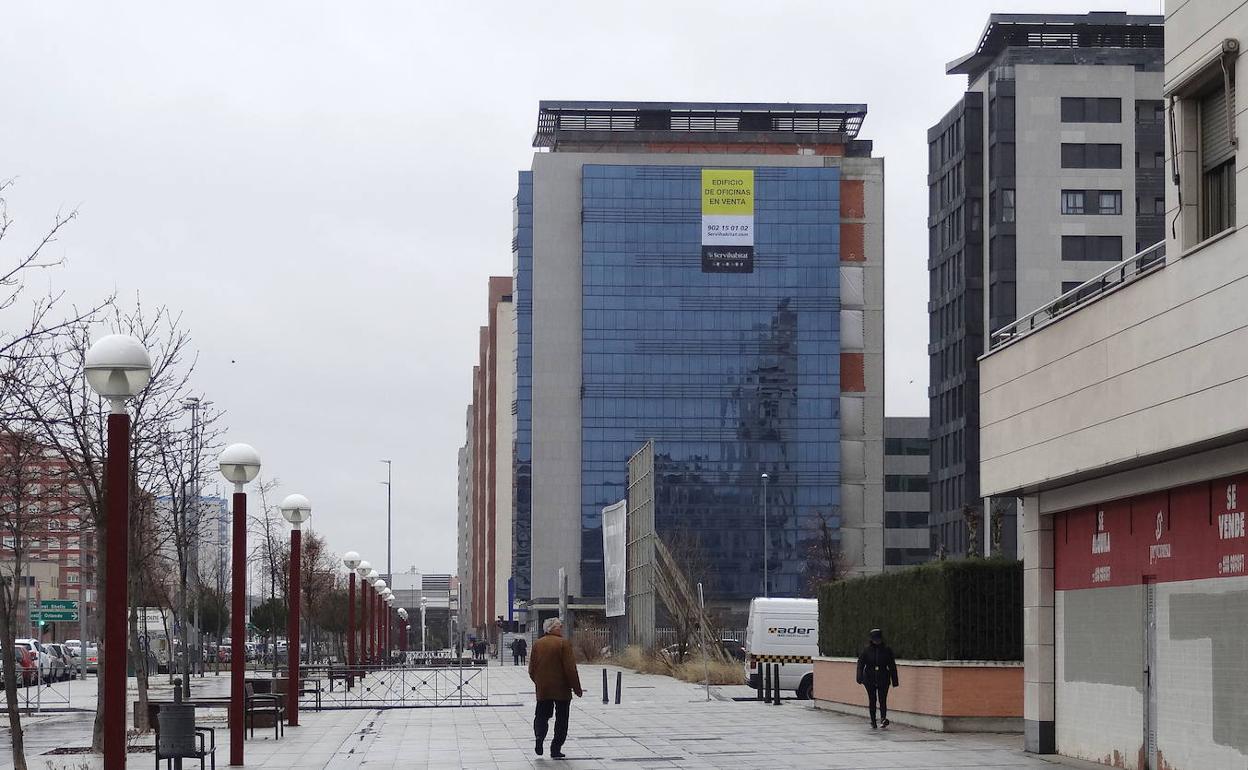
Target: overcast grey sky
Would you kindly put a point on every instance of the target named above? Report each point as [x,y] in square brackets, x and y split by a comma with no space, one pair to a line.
[323,188]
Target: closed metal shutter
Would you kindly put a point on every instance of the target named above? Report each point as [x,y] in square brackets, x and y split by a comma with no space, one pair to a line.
[1215,135]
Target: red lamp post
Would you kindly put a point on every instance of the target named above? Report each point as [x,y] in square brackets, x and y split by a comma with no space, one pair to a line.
[117,368]
[351,560]
[239,464]
[297,510]
[379,607]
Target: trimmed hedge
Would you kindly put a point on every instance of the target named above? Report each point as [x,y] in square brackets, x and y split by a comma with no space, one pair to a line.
[966,609]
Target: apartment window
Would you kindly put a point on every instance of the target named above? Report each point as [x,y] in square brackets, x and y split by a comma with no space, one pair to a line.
[10,543]
[1159,205]
[1110,201]
[1150,111]
[1091,155]
[1007,205]
[1081,109]
[73,578]
[905,519]
[905,483]
[906,446]
[1072,202]
[1091,248]
[1217,160]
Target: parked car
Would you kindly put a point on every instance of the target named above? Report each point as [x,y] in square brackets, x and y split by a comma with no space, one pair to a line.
[93,658]
[44,659]
[733,648]
[25,661]
[68,660]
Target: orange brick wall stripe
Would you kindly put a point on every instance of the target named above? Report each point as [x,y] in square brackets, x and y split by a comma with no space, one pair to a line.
[853,199]
[853,373]
[852,248]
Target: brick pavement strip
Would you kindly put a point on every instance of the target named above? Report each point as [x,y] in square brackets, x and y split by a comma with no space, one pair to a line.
[661,723]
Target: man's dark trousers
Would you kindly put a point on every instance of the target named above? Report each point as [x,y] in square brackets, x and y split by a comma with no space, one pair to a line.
[881,694]
[541,721]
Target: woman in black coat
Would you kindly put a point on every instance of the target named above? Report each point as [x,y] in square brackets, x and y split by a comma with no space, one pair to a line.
[877,669]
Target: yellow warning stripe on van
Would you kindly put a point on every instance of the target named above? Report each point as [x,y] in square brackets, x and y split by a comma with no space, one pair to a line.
[781,658]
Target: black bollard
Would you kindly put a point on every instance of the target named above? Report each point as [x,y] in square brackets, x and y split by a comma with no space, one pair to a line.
[758,681]
[766,682]
[776,681]
[619,681]
[605,699]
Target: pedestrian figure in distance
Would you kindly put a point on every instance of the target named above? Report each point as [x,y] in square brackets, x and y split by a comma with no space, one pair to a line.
[877,669]
[522,649]
[553,671]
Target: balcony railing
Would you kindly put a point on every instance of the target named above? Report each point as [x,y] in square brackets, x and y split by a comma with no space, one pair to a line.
[1121,274]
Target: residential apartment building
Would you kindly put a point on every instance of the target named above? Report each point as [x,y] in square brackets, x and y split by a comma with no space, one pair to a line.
[486,467]
[1046,172]
[47,525]
[463,559]
[906,498]
[710,277]
[1116,415]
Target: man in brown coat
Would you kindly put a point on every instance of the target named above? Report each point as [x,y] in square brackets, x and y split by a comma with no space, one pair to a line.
[552,667]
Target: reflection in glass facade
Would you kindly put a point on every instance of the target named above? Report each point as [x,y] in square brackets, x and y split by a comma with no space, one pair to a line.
[522,459]
[732,375]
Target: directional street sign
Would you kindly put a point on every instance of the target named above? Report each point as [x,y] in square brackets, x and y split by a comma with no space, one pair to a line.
[58,604]
[55,616]
[54,611]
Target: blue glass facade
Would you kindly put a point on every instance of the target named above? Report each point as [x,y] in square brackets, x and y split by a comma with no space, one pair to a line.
[522,459]
[732,375]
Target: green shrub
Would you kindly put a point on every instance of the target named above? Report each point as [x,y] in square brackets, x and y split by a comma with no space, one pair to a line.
[967,609]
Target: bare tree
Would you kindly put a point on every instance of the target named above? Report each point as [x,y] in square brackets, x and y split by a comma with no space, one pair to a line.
[20,478]
[72,419]
[679,558]
[823,555]
[271,551]
[179,475]
[24,344]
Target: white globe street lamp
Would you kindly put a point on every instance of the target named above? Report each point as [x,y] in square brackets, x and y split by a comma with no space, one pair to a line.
[297,510]
[351,560]
[117,367]
[239,464]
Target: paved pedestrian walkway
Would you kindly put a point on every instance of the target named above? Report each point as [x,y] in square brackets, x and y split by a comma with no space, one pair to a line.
[660,723]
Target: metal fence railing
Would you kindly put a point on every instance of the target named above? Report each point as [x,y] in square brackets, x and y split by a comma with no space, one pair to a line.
[1126,271]
[397,686]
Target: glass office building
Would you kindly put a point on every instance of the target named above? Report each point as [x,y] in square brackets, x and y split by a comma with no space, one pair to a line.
[731,374]
[522,476]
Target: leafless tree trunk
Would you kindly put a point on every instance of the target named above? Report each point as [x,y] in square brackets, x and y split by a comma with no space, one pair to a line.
[24,346]
[72,419]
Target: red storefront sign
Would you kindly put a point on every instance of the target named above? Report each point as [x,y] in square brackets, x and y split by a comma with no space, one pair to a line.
[1188,533]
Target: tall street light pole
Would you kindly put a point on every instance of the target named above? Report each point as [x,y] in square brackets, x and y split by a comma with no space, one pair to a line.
[379,587]
[766,539]
[387,600]
[297,510]
[351,560]
[116,367]
[389,489]
[239,465]
[389,625]
[424,603]
[363,571]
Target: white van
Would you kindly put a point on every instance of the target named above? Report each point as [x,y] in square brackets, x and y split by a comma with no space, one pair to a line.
[784,631]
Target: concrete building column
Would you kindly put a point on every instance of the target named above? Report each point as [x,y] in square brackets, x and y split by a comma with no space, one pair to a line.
[1038,643]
